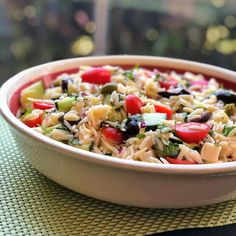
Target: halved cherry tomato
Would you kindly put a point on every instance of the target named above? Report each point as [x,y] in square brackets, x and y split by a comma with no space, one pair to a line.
[35,121]
[192,132]
[168,82]
[177,161]
[162,109]
[133,104]
[112,134]
[42,105]
[97,75]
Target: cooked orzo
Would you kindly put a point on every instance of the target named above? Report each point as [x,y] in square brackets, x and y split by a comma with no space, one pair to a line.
[136,114]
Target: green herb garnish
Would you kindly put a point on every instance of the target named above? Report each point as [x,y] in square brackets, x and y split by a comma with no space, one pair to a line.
[129,74]
[140,136]
[171,150]
[227,129]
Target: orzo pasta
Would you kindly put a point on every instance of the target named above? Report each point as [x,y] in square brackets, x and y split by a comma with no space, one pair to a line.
[136,114]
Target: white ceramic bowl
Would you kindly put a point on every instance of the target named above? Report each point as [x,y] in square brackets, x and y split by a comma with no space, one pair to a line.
[115,180]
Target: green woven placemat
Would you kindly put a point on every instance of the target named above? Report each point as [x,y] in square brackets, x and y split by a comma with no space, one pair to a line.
[31,204]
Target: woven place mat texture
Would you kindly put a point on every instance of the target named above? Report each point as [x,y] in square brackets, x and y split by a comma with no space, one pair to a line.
[31,204]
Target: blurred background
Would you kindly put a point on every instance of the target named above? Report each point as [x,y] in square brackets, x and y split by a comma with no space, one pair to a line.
[34,32]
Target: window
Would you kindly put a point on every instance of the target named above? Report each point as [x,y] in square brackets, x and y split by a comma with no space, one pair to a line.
[33,32]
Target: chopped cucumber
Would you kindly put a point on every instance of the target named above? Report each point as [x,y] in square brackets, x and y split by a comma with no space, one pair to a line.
[35,90]
[65,104]
[151,119]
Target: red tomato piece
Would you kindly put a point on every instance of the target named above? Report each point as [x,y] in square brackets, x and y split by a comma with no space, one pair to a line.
[97,75]
[162,109]
[192,132]
[168,82]
[35,121]
[112,134]
[133,104]
[42,105]
[177,161]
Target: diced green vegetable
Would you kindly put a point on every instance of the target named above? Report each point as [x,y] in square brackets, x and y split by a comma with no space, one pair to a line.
[109,88]
[35,90]
[153,119]
[65,104]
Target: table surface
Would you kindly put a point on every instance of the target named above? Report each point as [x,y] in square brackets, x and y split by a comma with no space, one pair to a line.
[31,204]
[228,230]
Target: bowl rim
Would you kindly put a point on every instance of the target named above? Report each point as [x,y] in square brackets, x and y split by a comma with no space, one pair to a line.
[217,168]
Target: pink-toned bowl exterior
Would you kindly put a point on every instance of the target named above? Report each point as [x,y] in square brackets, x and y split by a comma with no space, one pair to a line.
[111,179]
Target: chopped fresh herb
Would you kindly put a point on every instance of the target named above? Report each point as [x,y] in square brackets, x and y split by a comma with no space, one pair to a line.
[172,150]
[140,136]
[227,129]
[129,74]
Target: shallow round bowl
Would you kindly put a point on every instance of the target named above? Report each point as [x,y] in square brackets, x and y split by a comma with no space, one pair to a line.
[111,179]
